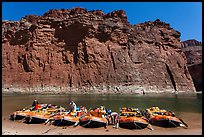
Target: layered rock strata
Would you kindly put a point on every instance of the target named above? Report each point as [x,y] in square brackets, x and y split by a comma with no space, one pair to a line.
[80,51]
[193,51]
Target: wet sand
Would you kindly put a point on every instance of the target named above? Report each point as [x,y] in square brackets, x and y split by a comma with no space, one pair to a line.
[194,121]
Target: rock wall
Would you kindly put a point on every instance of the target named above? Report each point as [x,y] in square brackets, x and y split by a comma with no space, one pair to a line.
[80,51]
[191,43]
[193,51]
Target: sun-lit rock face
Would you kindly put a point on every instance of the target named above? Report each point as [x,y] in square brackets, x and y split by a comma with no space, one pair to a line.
[82,51]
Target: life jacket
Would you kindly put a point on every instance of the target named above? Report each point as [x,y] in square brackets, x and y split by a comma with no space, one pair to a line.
[36,106]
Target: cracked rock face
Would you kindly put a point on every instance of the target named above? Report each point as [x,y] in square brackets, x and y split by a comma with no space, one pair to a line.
[193,51]
[89,51]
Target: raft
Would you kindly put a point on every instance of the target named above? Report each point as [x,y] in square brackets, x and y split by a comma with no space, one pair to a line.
[93,121]
[68,118]
[37,117]
[166,121]
[19,115]
[133,122]
[163,118]
[132,118]
[43,115]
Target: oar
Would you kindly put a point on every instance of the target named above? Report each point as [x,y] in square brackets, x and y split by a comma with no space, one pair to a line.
[47,121]
[54,127]
[183,122]
[76,124]
[148,123]
[150,127]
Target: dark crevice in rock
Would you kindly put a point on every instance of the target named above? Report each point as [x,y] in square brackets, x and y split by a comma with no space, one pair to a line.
[113,61]
[171,77]
[89,82]
[76,55]
[186,72]
[86,57]
[25,65]
[103,36]
[32,28]
[20,38]
[70,82]
[137,62]
[19,59]
[65,59]
[43,67]
[72,36]
[129,54]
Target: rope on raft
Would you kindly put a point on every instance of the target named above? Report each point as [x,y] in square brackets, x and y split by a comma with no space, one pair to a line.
[87,123]
[136,125]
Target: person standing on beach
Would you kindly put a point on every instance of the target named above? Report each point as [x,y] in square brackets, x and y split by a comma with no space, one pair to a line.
[73,108]
[115,119]
[35,105]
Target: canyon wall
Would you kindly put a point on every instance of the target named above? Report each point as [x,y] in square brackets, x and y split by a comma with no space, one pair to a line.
[193,51]
[80,51]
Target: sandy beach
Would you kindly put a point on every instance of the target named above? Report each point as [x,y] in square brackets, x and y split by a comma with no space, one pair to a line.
[194,121]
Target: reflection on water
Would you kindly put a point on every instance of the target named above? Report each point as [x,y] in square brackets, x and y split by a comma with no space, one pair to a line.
[176,103]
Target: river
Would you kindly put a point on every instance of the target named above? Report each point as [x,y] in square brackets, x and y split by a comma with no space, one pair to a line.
[176,103]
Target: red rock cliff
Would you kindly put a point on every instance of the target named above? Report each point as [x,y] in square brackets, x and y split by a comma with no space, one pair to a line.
[88,51]
[193,51]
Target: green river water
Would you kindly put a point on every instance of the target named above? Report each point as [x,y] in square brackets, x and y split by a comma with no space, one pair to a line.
[176,103]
